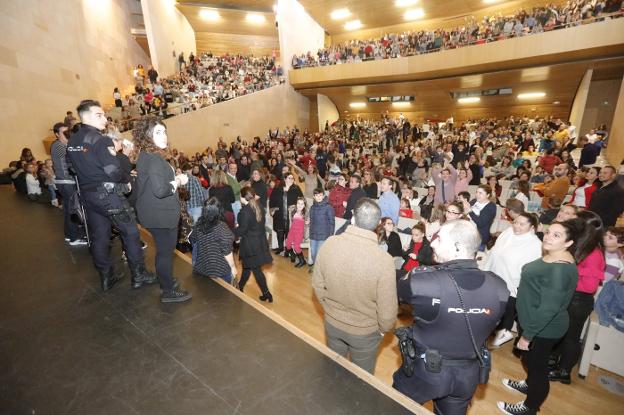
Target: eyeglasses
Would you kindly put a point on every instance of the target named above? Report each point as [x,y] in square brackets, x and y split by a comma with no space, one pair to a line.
[453,212]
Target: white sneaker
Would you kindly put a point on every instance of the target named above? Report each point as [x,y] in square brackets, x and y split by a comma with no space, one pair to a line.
[55,202]
[502,337]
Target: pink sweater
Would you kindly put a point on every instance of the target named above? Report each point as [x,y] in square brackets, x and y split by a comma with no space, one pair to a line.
[591,272]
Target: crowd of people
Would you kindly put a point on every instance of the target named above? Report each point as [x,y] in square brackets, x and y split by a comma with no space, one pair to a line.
[473,32]
[345,192]
[201,81]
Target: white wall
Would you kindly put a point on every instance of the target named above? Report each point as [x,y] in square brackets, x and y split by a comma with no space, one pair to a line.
[168,31]
[248,116]
[53,54]
[327,111]
[298,32]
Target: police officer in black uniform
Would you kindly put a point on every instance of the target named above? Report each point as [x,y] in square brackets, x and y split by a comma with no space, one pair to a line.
[93,158]
[446,367]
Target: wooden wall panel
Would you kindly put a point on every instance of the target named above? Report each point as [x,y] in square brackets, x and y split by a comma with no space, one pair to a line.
[222,43]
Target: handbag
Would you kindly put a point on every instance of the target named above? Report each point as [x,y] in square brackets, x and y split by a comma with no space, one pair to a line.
[483,354]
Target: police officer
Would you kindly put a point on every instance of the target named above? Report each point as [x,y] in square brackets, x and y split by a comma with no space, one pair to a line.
[446,368]
[93,158]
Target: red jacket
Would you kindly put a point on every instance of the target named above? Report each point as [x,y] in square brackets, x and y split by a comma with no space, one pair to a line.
[548,163]
[337,195]
[589,191]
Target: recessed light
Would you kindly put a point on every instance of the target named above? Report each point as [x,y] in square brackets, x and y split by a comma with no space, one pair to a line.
[529,95]
[401,104]
[357,104]
[491,1]
[605,103]
[405,3]
[468,100]
[211,15]
[254,18]
[556,102]
[352,25]
[339,14]
[414,14]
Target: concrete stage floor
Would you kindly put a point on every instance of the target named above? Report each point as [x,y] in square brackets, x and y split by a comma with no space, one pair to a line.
[68,348]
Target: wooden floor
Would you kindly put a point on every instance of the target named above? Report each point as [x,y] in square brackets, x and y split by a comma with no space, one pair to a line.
[294,300]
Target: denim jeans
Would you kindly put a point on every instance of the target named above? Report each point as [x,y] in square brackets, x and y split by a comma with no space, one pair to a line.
[195,213]
[236,207]
[314,248]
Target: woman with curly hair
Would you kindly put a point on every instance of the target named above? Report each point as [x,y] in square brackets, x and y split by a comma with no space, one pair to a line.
[157,205]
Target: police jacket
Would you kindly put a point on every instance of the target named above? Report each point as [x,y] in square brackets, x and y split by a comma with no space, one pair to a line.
[157,202]
[93,158]
[439,321]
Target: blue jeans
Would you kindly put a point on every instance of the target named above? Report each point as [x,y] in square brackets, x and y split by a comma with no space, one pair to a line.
[52,190]
[314,248]
[236,207]
[195,213]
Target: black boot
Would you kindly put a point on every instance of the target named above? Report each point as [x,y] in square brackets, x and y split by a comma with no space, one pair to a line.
[267,296]
[560,375]
[300,260]
[109,278]
[293,255]
[140,276]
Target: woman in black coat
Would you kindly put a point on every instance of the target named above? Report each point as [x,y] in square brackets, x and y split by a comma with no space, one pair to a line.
[281,199]
[260,187]
[157,205]
[254,248]
[222,191]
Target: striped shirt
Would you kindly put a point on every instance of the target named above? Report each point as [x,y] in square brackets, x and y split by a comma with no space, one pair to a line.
[58,152]
[211,249]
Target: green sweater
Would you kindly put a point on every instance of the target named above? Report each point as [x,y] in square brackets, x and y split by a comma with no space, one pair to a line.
[544,294]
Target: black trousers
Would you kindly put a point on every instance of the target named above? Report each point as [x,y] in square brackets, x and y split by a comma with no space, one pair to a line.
[70,228]
[258,275]
[509,317]
[451,390]
[570,346]
[536,362]
[98,206]
[165,240]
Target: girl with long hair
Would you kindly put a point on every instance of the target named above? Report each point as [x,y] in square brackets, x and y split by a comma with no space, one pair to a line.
[213,241]
[591,272]
[254,248]
[299,225]
[157,205]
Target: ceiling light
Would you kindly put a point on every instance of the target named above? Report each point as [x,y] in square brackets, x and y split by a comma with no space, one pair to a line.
[254,18]
[468,100]
[357,104]
[401,104]
[491,1]
[339,14]
[404,3]
[556,103]
[211,15]
[414,14]
[529,95]
[353,24]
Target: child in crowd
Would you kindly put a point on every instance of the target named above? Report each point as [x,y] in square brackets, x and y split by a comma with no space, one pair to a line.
[406,210]
[34,190]
[322,223]
[48,173]
[613,243]
[299,221]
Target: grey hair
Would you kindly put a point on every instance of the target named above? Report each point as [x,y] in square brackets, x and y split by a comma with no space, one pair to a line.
[366,214]
[464,234]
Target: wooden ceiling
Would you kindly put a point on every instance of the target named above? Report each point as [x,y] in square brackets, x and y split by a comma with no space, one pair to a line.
[433,99]
[232,19]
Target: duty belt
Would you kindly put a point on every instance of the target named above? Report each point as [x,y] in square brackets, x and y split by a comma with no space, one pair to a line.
[446,361]
[64,181]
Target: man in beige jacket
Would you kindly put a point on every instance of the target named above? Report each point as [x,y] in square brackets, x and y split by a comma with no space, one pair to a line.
[355,283]
[559,187]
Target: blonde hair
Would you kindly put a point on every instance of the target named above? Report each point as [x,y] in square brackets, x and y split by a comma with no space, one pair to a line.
[218,178]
